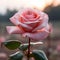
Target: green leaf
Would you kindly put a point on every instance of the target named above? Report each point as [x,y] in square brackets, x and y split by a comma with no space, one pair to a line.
[12,44]
[16,56]
[38,55]
[23,47]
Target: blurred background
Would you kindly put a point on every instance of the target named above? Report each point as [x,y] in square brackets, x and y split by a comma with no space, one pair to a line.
[51,44]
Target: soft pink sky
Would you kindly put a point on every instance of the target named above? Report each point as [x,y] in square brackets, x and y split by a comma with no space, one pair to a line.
[16,4]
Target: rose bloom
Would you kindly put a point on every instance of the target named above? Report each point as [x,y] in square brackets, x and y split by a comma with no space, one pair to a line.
[30,22]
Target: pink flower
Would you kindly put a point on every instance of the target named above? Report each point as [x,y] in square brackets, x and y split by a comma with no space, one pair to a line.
[3,56]
[2,39]
[58,47]
[31,23]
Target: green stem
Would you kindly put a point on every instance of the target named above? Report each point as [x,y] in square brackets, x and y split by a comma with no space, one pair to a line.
[28,50]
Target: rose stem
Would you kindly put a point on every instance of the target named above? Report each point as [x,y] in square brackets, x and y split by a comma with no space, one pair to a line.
[49,46]
[28,50]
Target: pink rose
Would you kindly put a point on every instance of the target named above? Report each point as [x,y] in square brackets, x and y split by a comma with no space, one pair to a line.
[31,23]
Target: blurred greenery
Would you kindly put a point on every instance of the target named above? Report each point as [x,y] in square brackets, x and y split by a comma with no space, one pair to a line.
[54,13]
[5,17]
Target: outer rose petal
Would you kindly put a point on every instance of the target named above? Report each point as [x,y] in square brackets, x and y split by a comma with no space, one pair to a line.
[15,21]
[14,30]
[43,23]
[38,35]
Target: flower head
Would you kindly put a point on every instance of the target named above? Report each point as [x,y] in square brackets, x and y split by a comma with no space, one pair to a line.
[31,23]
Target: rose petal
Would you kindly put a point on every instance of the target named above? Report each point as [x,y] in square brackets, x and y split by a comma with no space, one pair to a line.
[38,35]
[31,14]
[14,30]
[42,24]
[15,21]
